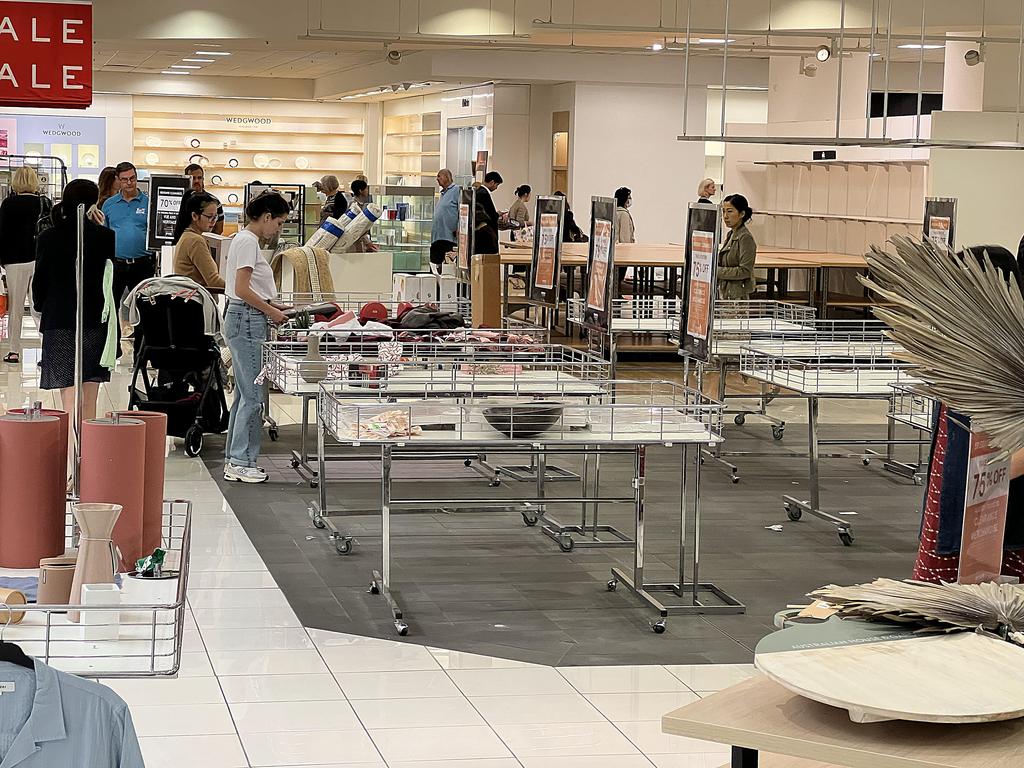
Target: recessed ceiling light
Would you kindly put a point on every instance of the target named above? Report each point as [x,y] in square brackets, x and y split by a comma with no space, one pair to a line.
[657,46]
[925,46]
[212,53]
[201,61]
[714,41]
[185,66]
[175,72]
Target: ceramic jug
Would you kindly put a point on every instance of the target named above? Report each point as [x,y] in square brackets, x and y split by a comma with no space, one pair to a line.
[97,559]
[313,368]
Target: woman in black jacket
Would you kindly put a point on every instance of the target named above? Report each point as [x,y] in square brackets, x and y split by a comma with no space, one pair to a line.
[53,290]
[18,216]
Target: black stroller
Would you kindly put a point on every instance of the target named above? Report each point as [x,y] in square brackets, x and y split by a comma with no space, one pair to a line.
[180,366]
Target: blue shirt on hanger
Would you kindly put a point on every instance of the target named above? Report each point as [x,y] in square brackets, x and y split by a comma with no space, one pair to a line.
[50,719]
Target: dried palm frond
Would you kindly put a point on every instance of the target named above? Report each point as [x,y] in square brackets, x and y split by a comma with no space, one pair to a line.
[962,324]
[995,608]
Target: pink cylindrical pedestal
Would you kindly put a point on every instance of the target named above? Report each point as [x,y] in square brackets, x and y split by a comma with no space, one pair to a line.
[114,472]
[65,421]
[32,490]
[153,491]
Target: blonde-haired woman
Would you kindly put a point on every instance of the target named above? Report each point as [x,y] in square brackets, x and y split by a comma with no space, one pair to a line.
[706,190]
[19,214]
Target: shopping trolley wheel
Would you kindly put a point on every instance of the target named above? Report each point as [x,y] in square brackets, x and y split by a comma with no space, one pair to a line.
[374,588]
[494,482]
[343,545]
[318,523]
[274,434]
[846,537]
[866,461]
[918,480]
[735,479]
[468,462]
[659,627]
[793,512]
[295,463]
[529,520]
[740,419]
[612,585]
[401,627]
[193,440]
[778,432]
[314,482]
[566,543]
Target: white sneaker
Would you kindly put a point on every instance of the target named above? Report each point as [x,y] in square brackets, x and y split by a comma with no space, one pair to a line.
[244,474]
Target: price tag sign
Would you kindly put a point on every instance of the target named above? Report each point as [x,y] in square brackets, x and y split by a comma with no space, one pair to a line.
[939,228]
[166,194]
[597,293]
[988,490]
[545,274]
[702,253]
[464,237]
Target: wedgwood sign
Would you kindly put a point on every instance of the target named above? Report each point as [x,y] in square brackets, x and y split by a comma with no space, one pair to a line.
[249,120]
[46,53]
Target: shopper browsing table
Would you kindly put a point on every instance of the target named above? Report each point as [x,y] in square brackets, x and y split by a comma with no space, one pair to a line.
[125,213]
[250,288]
[625,231]
[198,176]
[55,298]
[328,189]
[739,251]
[192,256]
[361,197]
[488,220]
[446,218]
[19,214]
[519,211]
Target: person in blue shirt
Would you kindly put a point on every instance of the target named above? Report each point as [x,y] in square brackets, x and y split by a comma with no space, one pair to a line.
[126,213]
[446,218]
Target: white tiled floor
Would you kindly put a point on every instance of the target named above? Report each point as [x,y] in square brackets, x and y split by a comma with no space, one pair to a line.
[258,689]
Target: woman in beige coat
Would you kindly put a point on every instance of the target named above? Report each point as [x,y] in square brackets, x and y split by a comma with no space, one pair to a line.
[738,253]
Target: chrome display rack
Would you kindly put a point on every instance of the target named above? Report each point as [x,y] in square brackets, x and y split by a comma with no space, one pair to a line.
[150,635]
[847,360]
[633,417]
[912,408]
[647,316]
[438,363]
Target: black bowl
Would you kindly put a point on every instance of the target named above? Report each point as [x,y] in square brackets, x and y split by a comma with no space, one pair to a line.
[523,421]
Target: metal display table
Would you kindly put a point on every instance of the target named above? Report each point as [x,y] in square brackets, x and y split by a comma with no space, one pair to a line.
[433,360]
[916,410]
[626,420]
[838,362]
[643,316]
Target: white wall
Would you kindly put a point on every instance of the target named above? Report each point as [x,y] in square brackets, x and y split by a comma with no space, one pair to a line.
[626,136]
[510,147]
[545,100]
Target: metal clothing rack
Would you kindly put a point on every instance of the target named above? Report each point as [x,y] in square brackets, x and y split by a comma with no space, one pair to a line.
[642,414]
[837,361]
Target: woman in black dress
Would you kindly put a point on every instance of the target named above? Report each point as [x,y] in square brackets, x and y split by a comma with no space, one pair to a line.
[19,214]
[55,298]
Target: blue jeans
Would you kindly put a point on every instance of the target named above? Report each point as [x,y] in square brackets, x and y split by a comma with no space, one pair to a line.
[245,329]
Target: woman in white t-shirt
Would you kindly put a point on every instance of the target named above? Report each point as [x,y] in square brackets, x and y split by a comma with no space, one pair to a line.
[250,288]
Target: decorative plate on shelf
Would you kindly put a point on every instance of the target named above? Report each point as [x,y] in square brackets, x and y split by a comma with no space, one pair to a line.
[261,161]
[152,141]
[233,162]
[233,198]
[275,163]
[152,158]
[194,143]
[301,162]
[216,181]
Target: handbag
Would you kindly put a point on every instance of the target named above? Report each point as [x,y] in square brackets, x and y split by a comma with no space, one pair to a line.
[3,294]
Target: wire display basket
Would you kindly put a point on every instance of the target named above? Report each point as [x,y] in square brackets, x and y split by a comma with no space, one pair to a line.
[622,412]
[431,368]
[910,406]
[138,640]
[353,301]
[639,314]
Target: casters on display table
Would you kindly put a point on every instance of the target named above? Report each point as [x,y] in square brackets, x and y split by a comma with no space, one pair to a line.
[846,536]
[295,463]
[794,513]
[401,627]
[659,626]
[343,544]
[778,431]
[529,520]
[319,523]
[612,585]
[566,543]
[374,588]
[740,419]
[274,434]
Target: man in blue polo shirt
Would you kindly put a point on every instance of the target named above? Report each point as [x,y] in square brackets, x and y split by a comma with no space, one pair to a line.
[126,214]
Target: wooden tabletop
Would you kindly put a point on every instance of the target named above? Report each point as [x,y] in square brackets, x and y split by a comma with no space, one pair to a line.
[672,255]
[794,732]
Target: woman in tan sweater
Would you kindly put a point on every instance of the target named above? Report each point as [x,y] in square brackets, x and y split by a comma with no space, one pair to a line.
[192,257]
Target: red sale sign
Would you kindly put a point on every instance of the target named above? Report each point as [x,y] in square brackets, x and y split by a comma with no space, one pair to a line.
[45,53]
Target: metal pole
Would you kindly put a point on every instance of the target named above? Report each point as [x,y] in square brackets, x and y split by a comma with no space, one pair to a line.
[79,319]
[725,65]
[696,529]
[684,459]
[839,53]
[812,449]
[888,56]
[871,62]
[639,478]
[385,517]
[686,71]
[920,73]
